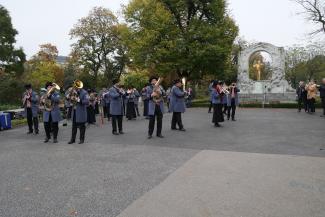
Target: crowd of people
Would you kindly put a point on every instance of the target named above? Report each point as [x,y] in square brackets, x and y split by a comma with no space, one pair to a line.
[81,107]
[307,94]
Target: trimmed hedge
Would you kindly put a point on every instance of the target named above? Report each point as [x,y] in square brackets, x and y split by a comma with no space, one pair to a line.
[206,103]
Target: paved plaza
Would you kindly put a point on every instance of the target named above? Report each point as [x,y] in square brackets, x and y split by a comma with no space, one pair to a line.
[267,163]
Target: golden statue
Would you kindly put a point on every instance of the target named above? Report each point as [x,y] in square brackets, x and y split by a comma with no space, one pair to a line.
[258,66]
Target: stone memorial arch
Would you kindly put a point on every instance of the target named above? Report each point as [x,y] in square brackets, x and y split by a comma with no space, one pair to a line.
[275,87]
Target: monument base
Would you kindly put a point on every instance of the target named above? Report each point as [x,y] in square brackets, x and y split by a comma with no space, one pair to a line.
[267,98]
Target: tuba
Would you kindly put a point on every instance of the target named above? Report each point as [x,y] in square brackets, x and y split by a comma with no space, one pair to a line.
[157,90]
[72,95]
[47,103]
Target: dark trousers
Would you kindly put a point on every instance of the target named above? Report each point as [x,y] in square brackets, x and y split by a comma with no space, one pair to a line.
[136,106]
[177,119]
[225,108]
[302,103]
[152,119]
[32,121]
[117,122]
[323,104]
[311,105]
[51,126]
[105,111]
[145,107]
[210,106]
[232,108]
[75,126]
[108,111]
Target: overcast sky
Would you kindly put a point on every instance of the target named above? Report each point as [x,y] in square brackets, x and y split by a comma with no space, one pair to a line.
[45,21]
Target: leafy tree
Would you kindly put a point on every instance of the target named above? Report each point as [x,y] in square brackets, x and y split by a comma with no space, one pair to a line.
[314,11]
[11,59]
[99,46]
[188,38]
[42,67]
[136,79]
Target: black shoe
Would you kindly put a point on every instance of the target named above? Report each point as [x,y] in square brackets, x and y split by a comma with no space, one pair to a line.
[217,125]
[149,136]
[30,132]
[36,132]
[81,142]
[115,133]
[71,142]
[173,128]
[182,129]
[121,132]
[160,136]
[46,140]
[55,141]
[233,119]
[228,119]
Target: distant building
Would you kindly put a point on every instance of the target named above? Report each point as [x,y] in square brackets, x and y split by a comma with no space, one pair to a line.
[62,60]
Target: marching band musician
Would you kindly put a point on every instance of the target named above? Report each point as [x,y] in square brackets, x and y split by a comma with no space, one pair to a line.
[225,99]
[80,100]
[217,99]
[130,104]
[116,107]
[156,106]
[177,105]
[30,103]
[233,101]
[145,101]
[91,114]
[136,101]
[51,113]
[107,102]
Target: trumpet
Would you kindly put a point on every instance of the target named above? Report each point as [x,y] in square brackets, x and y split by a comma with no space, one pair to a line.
[47,103]
[224,90]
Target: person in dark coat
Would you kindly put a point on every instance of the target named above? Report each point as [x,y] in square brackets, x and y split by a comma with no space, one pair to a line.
[156,107]
[31,106]
[107,102]
[136,101]
[210,90]
[91,114]
[79,114]
[52,114]
[322,95]
[130,104]
[302,96]
[116,95]
[145,101]
[233,101]
[217,99]
[177,105]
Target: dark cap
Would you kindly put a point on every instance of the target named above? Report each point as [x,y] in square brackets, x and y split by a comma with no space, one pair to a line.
[28,86]
[47,84]
[152,77]
[177,81]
